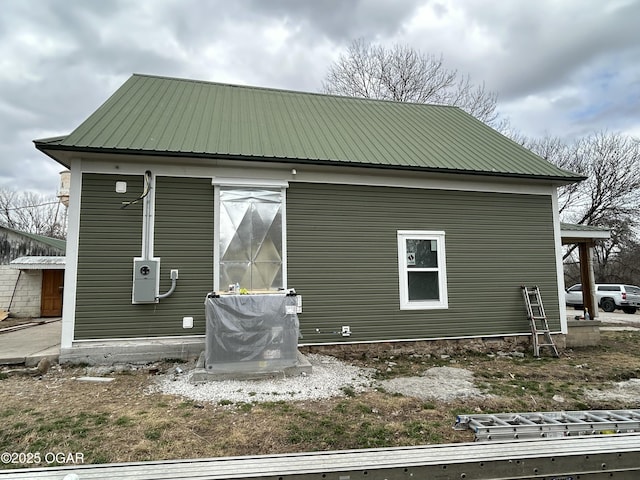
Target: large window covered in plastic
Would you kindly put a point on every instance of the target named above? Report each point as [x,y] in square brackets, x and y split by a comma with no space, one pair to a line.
[251,238]
[251,333]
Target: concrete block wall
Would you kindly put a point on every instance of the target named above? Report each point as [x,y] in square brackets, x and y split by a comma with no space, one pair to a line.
[26,301]
[583,333]
[8,277]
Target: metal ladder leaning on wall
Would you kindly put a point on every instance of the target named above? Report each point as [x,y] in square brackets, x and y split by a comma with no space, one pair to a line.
[520,426]
[537,320]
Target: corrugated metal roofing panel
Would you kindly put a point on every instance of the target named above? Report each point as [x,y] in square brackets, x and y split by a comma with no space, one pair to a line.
[571,227]
[176,116]
[39,263]
[571,232]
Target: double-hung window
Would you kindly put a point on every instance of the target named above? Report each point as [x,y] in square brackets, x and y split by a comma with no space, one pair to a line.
[422,270]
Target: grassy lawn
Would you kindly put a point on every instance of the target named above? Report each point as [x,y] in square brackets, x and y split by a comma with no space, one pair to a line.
[121,422]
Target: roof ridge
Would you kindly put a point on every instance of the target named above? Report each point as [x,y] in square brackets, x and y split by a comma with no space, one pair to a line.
[295,92]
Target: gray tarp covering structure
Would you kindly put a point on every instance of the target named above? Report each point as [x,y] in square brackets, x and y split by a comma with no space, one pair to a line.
[251,333]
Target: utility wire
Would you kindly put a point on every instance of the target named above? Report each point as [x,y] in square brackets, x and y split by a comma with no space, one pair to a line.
[30,206]
[147,189]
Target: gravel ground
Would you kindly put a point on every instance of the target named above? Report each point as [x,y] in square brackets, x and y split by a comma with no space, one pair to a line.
[632,321]
[328,379]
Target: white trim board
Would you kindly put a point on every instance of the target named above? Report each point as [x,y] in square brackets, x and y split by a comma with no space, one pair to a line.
[585,234]
[247,172]
[559,263]
[137,341]
[71,270]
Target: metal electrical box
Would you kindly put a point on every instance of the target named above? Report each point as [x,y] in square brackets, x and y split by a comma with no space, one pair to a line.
[146,280]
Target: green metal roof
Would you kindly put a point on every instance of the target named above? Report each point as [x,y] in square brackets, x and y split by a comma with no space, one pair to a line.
[168,116]
[51,242]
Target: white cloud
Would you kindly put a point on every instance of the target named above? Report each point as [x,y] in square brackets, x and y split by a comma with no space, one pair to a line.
[565,68]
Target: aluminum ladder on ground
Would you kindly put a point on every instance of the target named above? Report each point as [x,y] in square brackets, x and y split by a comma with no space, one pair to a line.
[593,457]
[506,426]
[537,321]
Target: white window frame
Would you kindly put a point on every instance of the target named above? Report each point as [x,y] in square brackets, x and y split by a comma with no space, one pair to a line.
[403,270]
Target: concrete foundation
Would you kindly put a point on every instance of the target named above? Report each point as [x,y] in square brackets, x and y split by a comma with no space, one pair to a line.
[142,351]
[201,374]
[583,333]
[463,346]
[132,351]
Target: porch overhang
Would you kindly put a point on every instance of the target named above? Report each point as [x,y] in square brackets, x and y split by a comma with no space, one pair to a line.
[585,237]
[39,263]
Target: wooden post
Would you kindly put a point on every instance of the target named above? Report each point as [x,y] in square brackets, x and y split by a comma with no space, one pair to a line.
[586,279]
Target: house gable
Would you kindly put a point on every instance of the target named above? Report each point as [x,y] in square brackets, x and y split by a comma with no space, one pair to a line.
[358,174]
[174,117]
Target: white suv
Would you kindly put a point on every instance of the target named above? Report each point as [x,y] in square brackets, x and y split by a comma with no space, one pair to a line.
[609,297]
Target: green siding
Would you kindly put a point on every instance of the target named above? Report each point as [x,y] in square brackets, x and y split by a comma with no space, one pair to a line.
[110,237]
[342,257]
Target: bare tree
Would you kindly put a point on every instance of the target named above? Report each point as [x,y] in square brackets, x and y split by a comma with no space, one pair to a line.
[611,163]
[609,255]
[403,74]
[613,183]
[626,268]
[33,213]
[609,197]
[561,154]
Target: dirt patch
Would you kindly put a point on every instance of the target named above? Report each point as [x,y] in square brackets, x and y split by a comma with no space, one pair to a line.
[437,383]
[627,392]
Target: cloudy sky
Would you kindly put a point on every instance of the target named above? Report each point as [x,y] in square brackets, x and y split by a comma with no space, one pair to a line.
[565,67]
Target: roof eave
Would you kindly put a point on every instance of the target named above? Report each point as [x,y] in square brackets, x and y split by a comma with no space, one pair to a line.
[49,150]
[47,144]
[574,233]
